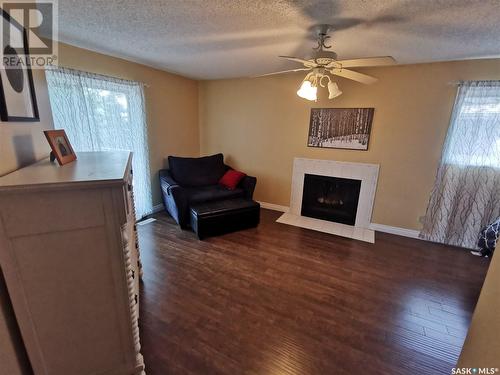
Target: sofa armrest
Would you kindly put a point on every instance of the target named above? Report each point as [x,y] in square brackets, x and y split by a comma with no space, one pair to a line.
[166,178]
[174,197]
[248,185]
[169,186]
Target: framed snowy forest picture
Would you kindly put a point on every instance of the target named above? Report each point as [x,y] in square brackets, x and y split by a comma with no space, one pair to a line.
[347,128]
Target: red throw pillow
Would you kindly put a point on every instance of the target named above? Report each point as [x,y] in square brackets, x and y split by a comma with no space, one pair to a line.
[231,179]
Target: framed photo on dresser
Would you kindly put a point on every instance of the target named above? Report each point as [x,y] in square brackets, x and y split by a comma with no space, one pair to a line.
[61,148]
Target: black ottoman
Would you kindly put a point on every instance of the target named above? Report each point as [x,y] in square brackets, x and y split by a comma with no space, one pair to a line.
[213,218]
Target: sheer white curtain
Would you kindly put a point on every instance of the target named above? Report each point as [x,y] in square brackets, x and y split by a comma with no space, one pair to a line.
[466,194]
[101,113]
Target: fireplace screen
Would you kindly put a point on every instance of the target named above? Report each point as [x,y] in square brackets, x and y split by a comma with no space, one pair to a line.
[330,198]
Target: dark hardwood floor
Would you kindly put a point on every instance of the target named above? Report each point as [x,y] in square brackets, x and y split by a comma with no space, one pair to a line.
[284,300]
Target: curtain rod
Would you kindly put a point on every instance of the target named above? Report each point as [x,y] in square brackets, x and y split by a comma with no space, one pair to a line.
[485,81]
[103,76]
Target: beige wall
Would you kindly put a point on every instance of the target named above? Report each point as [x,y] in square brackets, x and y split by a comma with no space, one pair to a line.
[482,346]
[261,125]
[171,104]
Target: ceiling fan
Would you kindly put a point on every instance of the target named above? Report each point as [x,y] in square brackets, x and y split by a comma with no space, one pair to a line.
[323,65]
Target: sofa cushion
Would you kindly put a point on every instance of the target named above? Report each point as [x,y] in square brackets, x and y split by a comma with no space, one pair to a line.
[212,193]
[202,171]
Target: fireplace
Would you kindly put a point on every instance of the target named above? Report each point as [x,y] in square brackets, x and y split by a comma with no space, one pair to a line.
[312,208]
[330,198]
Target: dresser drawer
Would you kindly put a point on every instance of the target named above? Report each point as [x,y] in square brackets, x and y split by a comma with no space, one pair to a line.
[46,212]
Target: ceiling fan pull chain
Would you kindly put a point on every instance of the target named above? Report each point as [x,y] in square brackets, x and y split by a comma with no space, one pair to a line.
[321,80]
[321,42]
[325,37]
[318,47]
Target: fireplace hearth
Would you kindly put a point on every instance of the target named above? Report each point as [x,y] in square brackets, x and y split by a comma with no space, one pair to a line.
[330,198]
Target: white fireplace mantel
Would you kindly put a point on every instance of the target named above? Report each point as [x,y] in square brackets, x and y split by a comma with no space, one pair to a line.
[367,173]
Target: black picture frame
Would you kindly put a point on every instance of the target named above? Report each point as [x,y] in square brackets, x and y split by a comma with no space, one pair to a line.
[4,110]
[335,128]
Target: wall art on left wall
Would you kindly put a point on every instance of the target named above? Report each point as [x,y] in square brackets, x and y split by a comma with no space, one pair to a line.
[17,91]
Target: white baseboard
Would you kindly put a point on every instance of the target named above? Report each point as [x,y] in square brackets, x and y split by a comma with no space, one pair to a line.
[146,221]
[158,208]
[395,230]
[274,207]
[411,233]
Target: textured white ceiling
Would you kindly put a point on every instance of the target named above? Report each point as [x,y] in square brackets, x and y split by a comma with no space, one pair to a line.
[209,39]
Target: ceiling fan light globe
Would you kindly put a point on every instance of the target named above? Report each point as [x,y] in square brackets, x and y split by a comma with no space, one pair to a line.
[307,91]
[333,90]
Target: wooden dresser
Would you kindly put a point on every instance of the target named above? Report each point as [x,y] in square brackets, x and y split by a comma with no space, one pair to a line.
[70,259]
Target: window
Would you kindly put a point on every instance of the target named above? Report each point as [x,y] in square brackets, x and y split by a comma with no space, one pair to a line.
[474,135]
[466,194]
[101,113]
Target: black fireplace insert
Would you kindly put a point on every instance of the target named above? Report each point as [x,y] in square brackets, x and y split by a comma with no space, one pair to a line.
[330,198]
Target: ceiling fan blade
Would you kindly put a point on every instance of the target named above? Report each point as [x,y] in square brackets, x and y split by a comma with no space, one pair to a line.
[282,72]
[369,61]
[355,76]
[307,63]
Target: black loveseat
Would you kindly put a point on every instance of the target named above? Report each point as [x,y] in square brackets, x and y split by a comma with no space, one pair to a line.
[190,181]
